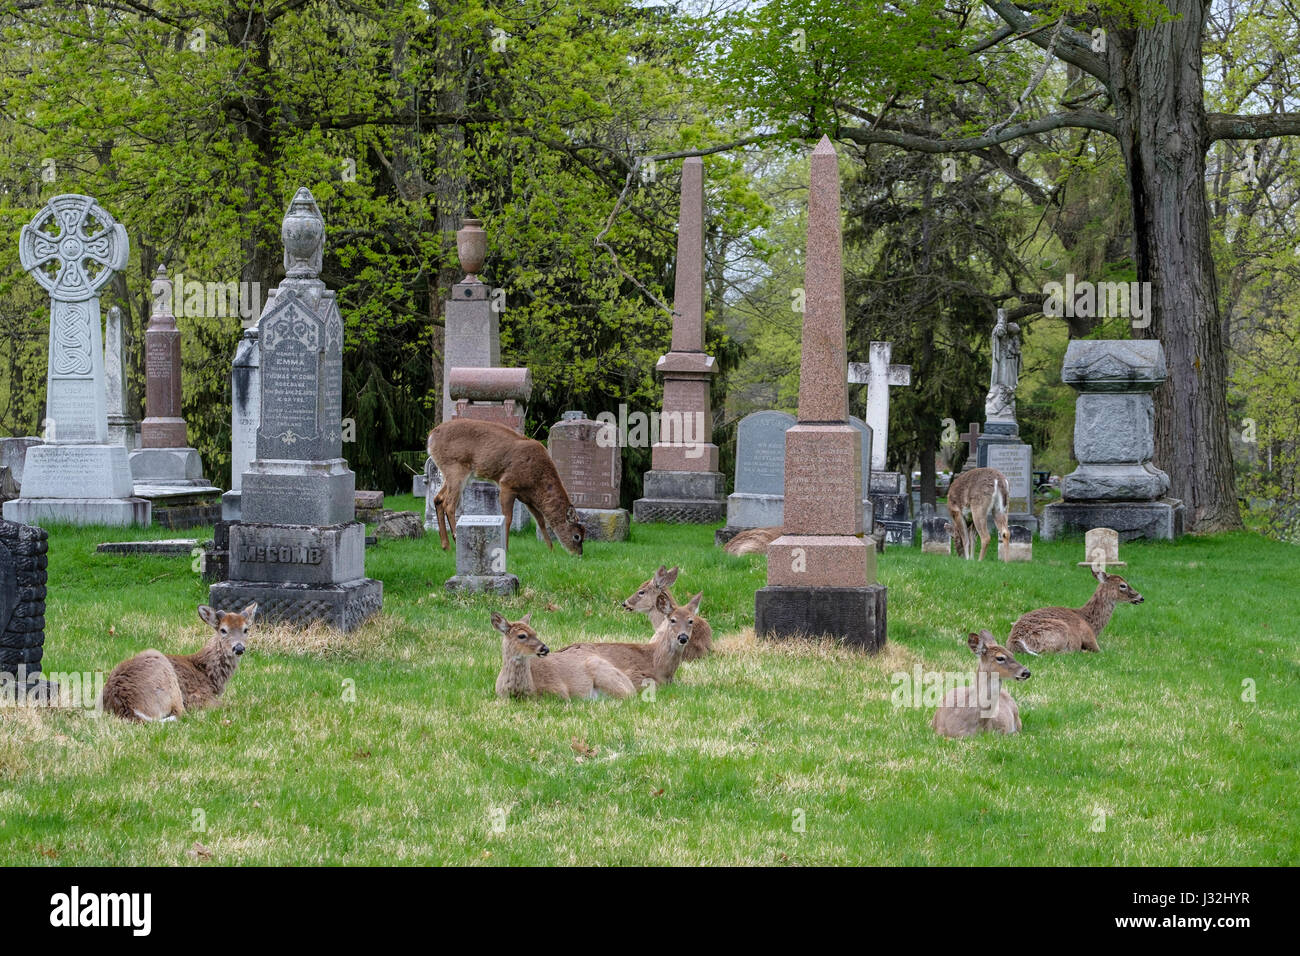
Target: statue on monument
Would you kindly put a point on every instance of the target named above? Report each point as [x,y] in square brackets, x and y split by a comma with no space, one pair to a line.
[1000,405]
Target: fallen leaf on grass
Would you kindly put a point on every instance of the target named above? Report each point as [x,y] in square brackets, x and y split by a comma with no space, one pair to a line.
[581,749]
[552,606]
[198,852]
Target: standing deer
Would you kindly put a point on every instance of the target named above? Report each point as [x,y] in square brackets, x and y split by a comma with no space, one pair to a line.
[464,448]
[646,600]
[658,660]
[982,492]
[1056,629]
[528,671]
[154,686]
[966,711]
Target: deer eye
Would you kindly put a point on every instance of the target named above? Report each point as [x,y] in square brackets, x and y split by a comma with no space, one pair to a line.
[1001,659]
[522,636]
[577,537]
[225,630]
[1123,587]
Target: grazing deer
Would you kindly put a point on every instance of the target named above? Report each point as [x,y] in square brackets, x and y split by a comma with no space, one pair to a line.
[646,600]
[982,492]
[657,660]
[464,448]
[1051,630]
[966,711]
[528,671]
[153,686]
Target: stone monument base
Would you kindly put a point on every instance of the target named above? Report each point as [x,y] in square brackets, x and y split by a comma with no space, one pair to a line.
[344,606]
[681,497]
[854,616]
[231,506]
[1023,520]
[483,583]
[168,466]
[1160,520]
[604,524]
[111,512]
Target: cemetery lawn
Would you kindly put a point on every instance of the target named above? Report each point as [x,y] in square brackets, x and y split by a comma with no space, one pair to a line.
[786,754]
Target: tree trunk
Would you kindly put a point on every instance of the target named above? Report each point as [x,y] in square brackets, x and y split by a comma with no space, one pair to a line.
[1161,118]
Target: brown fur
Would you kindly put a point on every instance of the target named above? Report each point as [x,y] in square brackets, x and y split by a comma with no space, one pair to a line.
[646,599]
[528,671]
[982,492]
[521,467]
[1051,630]
[154,686]
[752,541]
[963,714]
[658,660]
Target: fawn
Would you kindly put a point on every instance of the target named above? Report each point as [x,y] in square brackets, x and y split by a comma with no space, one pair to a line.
[528,671]
[154,686]
[1055,629]
[982,492]
[659,659]
[966,711]
[646,599]
[464,448]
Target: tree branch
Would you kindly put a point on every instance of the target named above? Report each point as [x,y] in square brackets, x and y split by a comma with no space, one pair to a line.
[1073,47]
[1078,119]
[1261,126]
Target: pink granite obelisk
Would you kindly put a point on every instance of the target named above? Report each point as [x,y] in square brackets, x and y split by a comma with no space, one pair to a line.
[821,573]
[684,485]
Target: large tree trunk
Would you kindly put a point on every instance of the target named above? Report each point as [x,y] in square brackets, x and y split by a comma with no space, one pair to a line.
[1161,117]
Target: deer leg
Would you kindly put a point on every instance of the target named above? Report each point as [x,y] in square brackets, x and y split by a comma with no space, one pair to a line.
[507,509]
[439,510]
[981,520]
[541,525]
[447,501]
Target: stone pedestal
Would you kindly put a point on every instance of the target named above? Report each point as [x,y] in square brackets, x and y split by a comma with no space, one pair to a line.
[299,552]
[590,466]
[471,316]
[1116,484]
[481,556]
[245,415]
[23,561]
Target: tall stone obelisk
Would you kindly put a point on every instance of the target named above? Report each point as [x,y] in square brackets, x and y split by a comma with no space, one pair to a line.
[821,573]
[684,485]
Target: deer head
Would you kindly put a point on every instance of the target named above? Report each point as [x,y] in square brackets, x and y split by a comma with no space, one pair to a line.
[679,619]
[231,629]
[571,533]
[519,639]
[644,598]
[1116,588]
[994,658]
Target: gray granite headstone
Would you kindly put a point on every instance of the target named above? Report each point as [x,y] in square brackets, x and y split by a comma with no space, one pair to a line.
[758,500]
[481,556]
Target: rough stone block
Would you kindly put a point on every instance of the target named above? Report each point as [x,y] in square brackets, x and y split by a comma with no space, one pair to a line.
[297,554]
[855,616]
[1158,520]
[344,606]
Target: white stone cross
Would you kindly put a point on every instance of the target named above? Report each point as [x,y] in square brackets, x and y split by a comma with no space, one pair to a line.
[878,375]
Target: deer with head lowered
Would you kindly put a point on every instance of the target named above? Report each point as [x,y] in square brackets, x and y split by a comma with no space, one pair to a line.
[464,448]
[645,600]
[966,711]
[528,668]
[983,492]
[154,686]
[658,660]
[1051,630]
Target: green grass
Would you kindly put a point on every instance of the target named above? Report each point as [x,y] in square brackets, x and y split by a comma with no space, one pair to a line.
[1151,735]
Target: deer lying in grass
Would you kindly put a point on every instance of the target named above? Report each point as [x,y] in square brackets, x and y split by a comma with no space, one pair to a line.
[646,601]
[658,660]
[528,671]
[966,711]
[521,467]
[757,540]
[1051,630]
[982,492]
[154,686]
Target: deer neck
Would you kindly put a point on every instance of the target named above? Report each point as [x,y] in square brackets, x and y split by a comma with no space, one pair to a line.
[216,664]
[516,670]
[665,649]
[1098,610]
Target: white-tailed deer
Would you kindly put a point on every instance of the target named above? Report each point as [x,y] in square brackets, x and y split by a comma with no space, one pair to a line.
[645,600]
[464,448]
[982,492]
[658,660]
[752,541]
[154,686]
[1051,630]
[985,705]
[528,669]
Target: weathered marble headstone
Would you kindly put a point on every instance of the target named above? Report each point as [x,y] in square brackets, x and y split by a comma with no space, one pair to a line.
[481,556]
[72,248]
[471,318]
[164,465]
[758,500]
[1021,547]
[121,426]
[936,538]
[1116,484]
[298,550]
[245,416]
[820,572]
[592,472]
[1015,460]
[683,485]
[1101,548]
[23,561]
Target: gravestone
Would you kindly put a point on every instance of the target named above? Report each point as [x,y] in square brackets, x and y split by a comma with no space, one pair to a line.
[591,469]
[481,556]
[369,506]
[164,467]
[1021,546]
[1000,444]
[245,416]
[1101,549]
[472,337]
[972,440]
[821,573]
[298,550]
[683,485]
[73,248]
[13,455]
[1116,484]
[121,427]
[1015,460]
[23,562]
[869,524]
[888,491]
[758,500]
[936,538]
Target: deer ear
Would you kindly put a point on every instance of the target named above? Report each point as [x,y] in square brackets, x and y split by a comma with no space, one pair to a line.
[526,618]
[500,623]
[669,577]
[663,604]
[695,602]
[973,641]
[571,515]
[209,616]
[1100,575]
[248,614]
